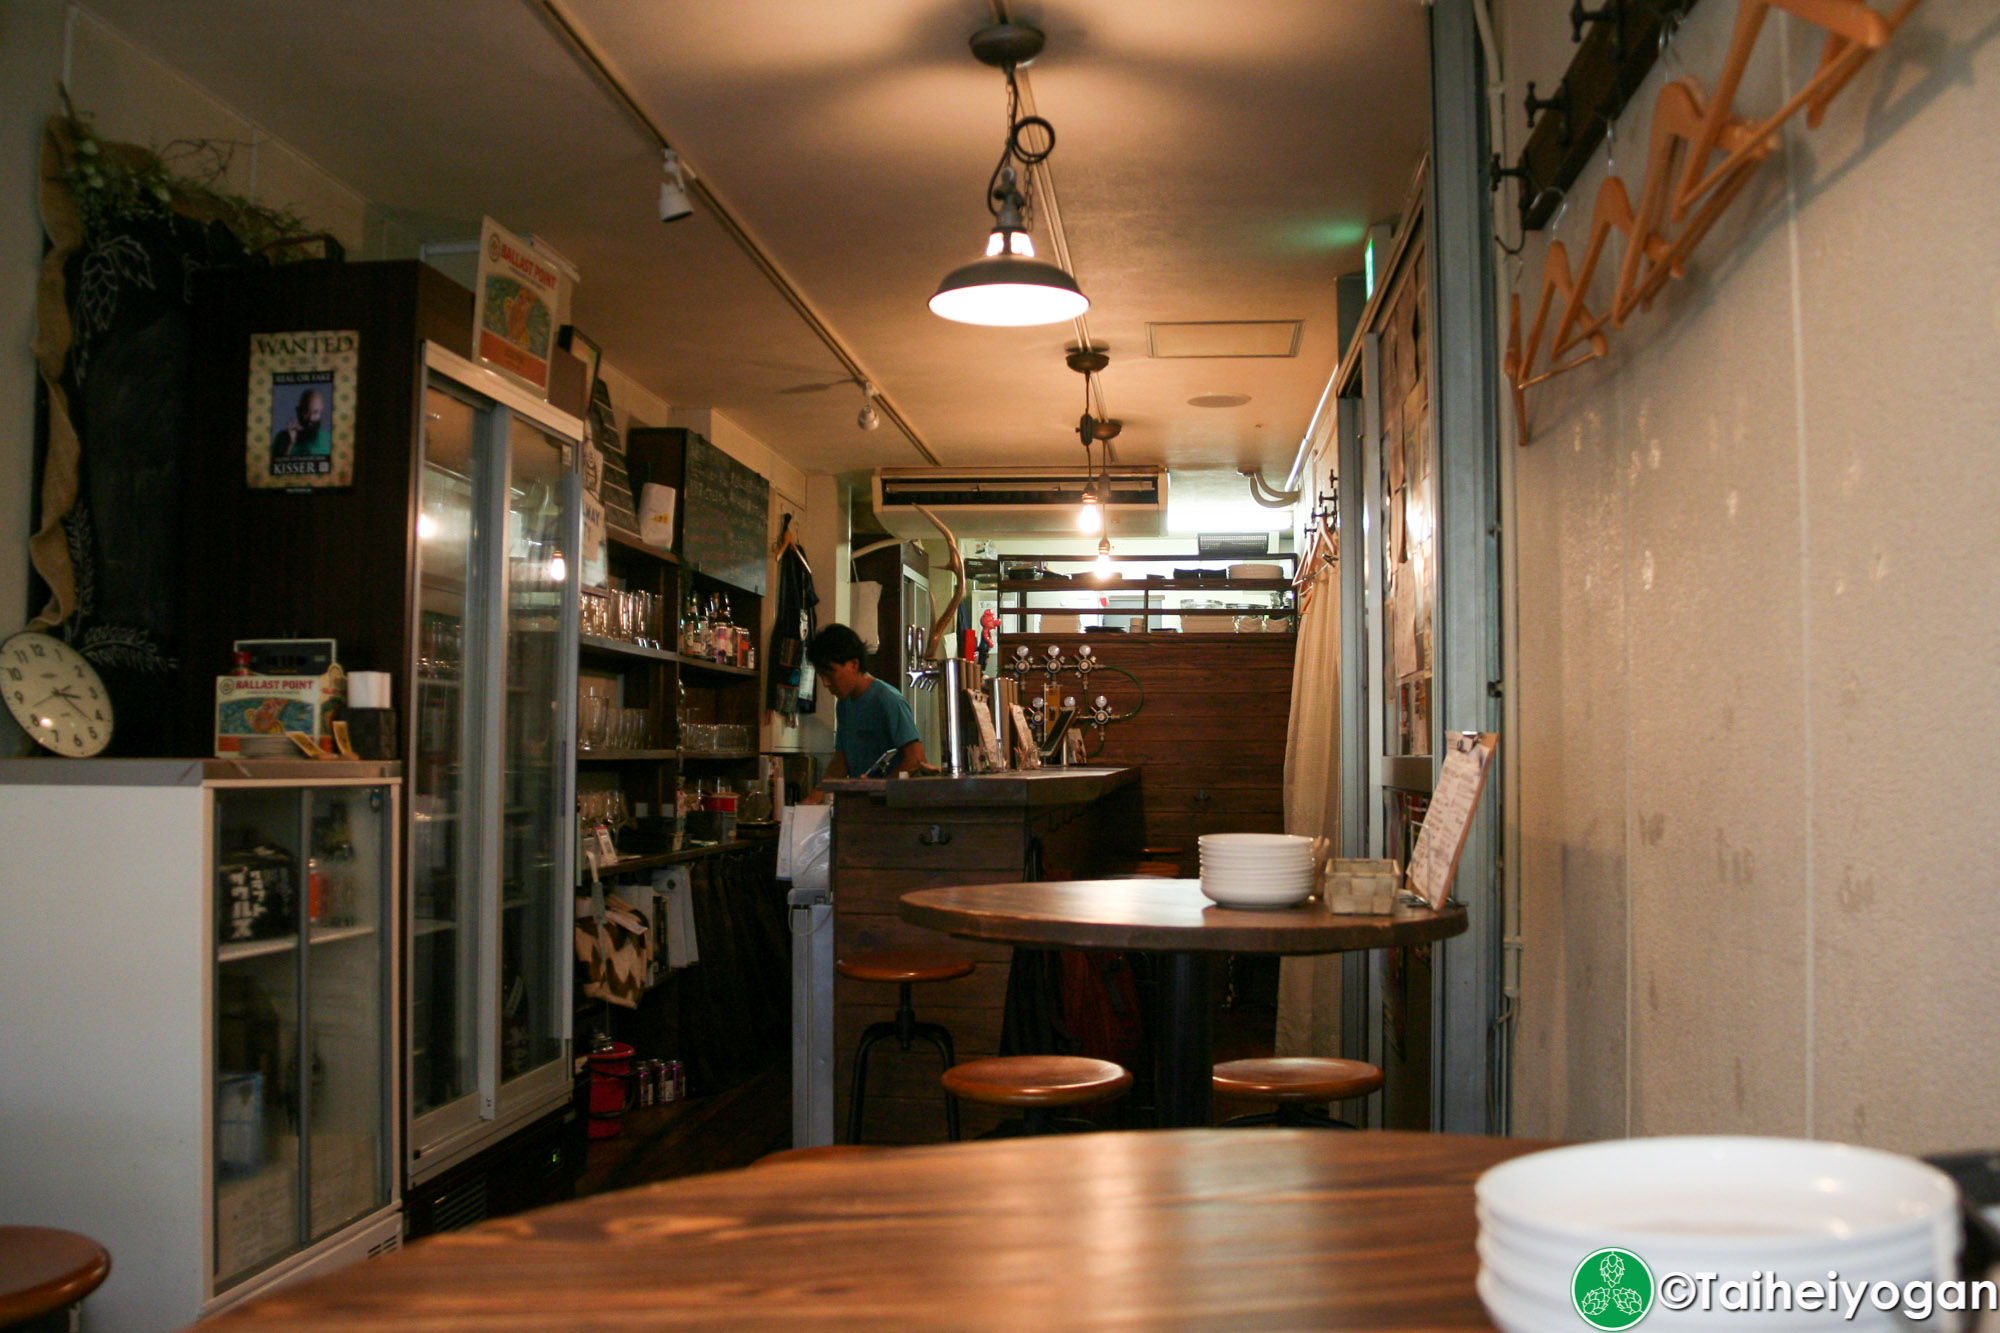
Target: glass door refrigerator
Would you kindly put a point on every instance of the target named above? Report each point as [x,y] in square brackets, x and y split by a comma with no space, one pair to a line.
[492,767]
[198,1064]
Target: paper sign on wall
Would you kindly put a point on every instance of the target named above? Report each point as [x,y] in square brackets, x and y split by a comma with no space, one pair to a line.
[303,389]
[1449,817]
[514,308]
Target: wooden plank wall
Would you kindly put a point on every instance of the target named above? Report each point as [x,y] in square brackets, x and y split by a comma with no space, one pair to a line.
[1211,737]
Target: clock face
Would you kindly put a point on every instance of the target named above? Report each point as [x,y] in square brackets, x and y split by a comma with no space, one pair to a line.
[55,695]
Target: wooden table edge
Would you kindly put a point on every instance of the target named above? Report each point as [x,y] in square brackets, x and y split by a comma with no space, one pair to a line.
[1070,934]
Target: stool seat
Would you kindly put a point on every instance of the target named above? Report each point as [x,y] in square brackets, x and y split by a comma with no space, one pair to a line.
[1036,1080]
[1297,1079]
[44,1269]
[814,1153]
[904,965]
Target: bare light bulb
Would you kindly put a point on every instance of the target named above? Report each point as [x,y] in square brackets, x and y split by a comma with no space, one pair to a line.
[1090,518]
[1103,563]
[558,568]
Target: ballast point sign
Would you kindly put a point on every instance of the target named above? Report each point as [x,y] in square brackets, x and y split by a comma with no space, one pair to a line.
[514,307]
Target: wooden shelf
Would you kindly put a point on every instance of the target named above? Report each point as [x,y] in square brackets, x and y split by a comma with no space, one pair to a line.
[628,864]
[633,544]
[719,668]
[590,643]
[624,756]
[1145,585]
[1126,612]
[720,754]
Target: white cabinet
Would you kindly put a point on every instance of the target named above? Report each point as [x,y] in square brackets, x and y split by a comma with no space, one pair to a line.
[198,999]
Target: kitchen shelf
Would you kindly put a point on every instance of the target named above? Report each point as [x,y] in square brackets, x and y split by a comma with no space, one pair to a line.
[623,756]
[628,864]
[619,539]
[1087,584]
[230,953]
[720,754]
[719,668]
[590,643]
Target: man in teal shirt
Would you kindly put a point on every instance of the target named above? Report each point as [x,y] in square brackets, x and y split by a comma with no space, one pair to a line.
[871,719]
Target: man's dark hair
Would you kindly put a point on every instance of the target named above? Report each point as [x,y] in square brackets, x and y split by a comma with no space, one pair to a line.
[833,645]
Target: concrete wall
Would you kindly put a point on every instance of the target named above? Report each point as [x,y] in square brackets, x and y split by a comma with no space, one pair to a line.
[1756,633]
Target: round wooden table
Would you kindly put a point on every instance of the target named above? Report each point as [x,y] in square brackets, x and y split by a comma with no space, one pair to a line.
[1169,917]
[43,1269]
[1179,1229]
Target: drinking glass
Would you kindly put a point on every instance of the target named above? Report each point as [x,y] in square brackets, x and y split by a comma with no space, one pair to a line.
[590,722]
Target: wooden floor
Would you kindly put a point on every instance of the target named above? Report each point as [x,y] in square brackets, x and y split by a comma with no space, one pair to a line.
[687,1138]
[735,1128]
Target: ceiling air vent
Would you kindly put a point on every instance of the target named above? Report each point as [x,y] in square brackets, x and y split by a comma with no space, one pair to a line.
[1225,337]
[982,501]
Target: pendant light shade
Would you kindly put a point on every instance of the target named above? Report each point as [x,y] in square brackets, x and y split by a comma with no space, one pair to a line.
[1010,288]
[1008,291]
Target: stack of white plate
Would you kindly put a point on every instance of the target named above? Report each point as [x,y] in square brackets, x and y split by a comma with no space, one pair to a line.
[1256,869]
[1786,1209]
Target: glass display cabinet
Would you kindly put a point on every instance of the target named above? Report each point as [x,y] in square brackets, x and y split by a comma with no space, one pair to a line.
[198,964]
[492,777]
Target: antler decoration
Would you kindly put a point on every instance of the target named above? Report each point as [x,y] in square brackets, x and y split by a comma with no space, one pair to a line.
[947,621]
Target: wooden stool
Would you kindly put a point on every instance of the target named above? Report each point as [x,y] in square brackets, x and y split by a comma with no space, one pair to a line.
[905,967]
[1296,1084]
[43,1272]
[1033,1084]
[817,1152]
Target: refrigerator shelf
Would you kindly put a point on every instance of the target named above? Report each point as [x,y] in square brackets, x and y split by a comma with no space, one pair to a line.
[230,953]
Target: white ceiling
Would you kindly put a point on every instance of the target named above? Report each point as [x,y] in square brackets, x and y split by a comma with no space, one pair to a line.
[1216,160]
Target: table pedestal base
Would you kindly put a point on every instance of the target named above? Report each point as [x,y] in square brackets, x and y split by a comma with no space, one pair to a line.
[1184,1041]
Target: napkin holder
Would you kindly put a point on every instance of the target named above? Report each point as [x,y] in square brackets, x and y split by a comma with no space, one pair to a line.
[1357,887]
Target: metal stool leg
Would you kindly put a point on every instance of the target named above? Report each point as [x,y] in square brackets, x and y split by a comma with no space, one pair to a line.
[857,1095]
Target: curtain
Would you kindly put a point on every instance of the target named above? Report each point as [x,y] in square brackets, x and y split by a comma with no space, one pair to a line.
[1309,987]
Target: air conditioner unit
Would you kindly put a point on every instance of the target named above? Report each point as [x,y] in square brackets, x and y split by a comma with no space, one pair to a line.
[979,502]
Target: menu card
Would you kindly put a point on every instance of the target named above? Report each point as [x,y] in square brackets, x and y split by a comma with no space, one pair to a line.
[1434,861]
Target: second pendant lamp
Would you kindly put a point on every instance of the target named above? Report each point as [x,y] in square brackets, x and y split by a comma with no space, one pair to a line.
[1009,287]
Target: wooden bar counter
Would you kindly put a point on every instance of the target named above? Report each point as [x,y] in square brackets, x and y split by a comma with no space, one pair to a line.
[890,837]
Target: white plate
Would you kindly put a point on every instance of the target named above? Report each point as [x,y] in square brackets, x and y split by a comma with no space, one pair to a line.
[1240,896]
[1518,1258]
[1514,1249]
[1261,841]
[1258,880]
[1755,1191]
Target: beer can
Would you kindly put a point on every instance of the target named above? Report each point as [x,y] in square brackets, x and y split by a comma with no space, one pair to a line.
[676,1085]
[648,1086]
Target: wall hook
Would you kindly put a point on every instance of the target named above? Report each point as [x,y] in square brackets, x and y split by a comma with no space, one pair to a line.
[1613,11]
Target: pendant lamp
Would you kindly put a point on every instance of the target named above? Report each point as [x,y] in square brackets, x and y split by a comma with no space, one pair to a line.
[1009,287]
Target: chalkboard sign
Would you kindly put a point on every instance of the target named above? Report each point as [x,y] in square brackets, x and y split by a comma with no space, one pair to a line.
[724,514]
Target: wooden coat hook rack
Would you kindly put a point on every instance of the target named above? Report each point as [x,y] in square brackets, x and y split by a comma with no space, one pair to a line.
[1685,190]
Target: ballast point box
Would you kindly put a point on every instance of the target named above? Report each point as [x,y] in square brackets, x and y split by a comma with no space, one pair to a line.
[273,705]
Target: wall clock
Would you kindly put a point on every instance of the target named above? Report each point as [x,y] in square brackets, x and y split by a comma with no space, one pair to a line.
[55,695]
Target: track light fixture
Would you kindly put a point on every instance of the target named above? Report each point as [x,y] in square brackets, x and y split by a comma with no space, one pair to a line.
[674,202]
[1010,287]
